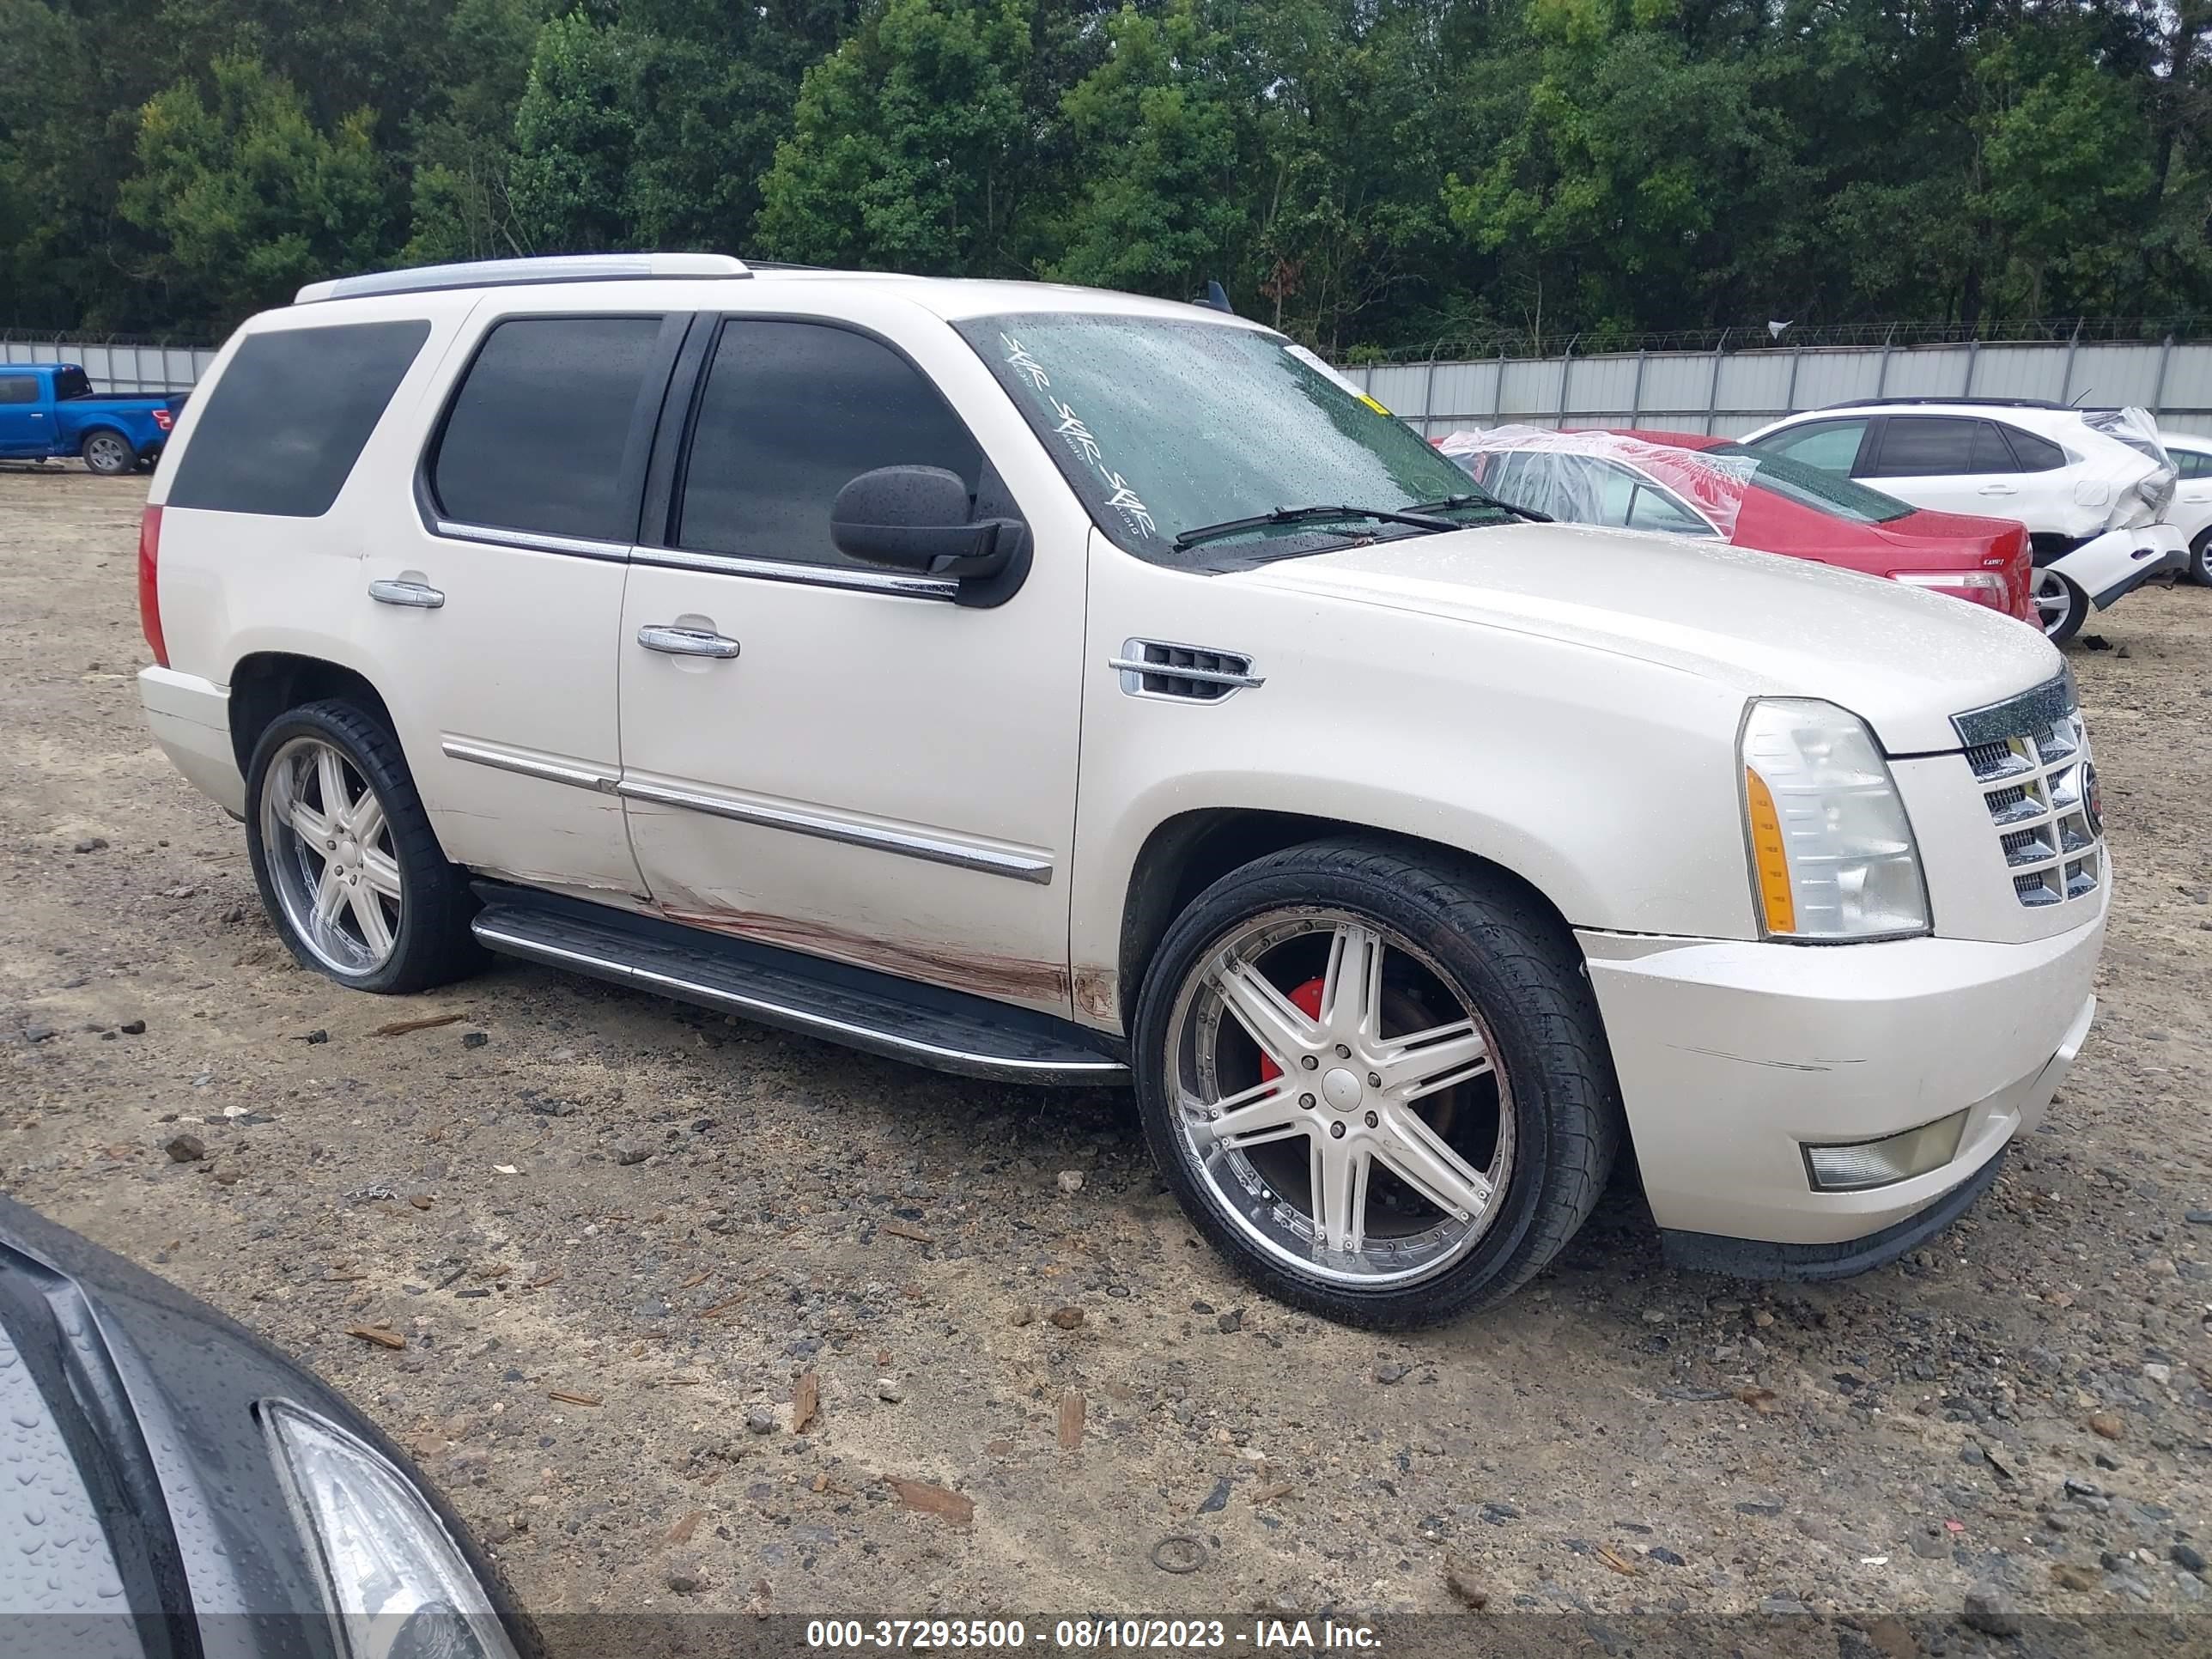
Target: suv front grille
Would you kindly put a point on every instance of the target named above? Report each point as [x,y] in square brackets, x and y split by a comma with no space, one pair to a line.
[2029,756]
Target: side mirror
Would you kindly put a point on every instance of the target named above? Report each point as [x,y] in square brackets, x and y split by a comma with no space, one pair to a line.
[915,518]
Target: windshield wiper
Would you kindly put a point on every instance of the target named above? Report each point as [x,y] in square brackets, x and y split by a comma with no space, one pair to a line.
[1483,498]
[1282,516]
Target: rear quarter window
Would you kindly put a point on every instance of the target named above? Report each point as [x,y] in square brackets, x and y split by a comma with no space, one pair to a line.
[285,424]
[2036,454]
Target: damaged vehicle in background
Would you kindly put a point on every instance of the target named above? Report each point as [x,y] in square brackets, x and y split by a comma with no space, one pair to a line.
[175,1486]
[2091,486]
[1683,484]
[1076,688]
[2192,498]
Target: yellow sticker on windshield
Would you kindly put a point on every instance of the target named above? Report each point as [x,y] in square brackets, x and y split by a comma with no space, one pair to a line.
[1372,405]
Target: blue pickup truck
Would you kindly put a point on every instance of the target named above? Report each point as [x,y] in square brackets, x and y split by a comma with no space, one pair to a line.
[48,409]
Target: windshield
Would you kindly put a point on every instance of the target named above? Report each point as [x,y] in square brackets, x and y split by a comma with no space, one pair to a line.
[1808,486]
[1164,427]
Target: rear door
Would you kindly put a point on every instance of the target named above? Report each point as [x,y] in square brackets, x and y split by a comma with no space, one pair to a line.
[25,422]
[493,607]
[1953,463]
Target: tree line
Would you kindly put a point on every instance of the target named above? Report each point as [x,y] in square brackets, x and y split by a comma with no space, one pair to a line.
[1368,174]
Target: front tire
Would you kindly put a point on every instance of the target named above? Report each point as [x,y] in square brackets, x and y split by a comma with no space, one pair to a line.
[2199,559]
[343,852]
[2060,606]
[1379,1084]
[108,453]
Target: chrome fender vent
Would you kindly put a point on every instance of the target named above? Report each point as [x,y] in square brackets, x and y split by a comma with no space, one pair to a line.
[1184,673]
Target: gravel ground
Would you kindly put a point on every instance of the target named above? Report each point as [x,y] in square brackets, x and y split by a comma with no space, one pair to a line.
[626,1244]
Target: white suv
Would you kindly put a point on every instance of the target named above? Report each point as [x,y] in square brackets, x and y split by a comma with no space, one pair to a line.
[1063,686]
[2192,498]
[2092,487]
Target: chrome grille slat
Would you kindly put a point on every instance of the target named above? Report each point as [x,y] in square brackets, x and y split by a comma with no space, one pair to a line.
[2028,756]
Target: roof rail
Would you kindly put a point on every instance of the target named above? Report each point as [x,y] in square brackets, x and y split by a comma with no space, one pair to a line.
[502,273]
[1980,402]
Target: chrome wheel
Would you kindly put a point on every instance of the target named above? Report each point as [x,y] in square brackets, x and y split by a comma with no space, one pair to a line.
[105,452]
[2054,600]
[1340,1101]
[330,857]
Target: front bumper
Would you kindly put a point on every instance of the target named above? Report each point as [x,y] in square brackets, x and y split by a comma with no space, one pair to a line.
[189,718]
[1733,1056]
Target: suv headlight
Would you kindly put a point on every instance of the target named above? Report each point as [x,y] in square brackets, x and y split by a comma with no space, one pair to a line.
[1831,852]
[398,1585]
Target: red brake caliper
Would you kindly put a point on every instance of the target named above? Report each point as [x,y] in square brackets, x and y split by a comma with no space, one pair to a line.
[1307,1000]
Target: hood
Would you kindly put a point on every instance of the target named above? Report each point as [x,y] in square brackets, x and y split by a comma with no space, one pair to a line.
[1902,659]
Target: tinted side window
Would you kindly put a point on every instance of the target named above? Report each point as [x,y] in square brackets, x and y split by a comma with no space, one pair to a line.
[1831,446]
[1991,452]
[539,434]
[2192,463]
[791,414]
[1926,445]
[2034,454]
[284,425]
[19,388]
[72,382]
[1656,510]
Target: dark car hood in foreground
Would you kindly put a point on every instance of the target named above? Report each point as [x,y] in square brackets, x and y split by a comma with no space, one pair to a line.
[134,1475]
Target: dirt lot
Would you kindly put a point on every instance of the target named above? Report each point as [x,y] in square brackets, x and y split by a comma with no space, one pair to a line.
[676,1215]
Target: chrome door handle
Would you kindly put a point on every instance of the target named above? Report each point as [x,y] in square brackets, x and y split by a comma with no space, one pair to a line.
[685,641]
[421,596]
[2000,489]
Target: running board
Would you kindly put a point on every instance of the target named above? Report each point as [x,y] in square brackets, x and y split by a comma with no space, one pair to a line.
[879,1013]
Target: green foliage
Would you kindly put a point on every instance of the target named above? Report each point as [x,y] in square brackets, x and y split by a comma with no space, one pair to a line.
[246,196]
[903,152]
[1168,211]
[1367,174]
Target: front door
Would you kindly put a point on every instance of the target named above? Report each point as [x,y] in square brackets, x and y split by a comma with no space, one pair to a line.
[837,759]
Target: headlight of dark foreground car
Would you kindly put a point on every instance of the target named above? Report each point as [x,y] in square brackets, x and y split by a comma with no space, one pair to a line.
[398,1585]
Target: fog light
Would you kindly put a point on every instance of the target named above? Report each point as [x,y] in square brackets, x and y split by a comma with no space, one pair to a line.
[1866,1164]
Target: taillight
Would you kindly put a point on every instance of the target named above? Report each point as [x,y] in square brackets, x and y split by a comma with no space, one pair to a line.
[1987,587]
[161,419]
[149,587]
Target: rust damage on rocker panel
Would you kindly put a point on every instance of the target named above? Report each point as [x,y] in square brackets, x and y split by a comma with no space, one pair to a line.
[1006,979]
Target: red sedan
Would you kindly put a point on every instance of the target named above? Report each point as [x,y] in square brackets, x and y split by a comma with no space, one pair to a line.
[1687,485]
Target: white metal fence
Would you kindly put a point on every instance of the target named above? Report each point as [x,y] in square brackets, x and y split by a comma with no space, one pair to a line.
[114,366]
[1716,390]
[1729,392]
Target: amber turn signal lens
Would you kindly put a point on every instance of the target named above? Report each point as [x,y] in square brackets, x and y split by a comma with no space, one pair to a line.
[1768,857]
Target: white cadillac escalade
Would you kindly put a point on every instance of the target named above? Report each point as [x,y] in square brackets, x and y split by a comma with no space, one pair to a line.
[1057,686]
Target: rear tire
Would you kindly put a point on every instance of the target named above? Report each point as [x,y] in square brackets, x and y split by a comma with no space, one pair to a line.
[2060,605]
[343,852]
[1379,1084]
[108,453]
